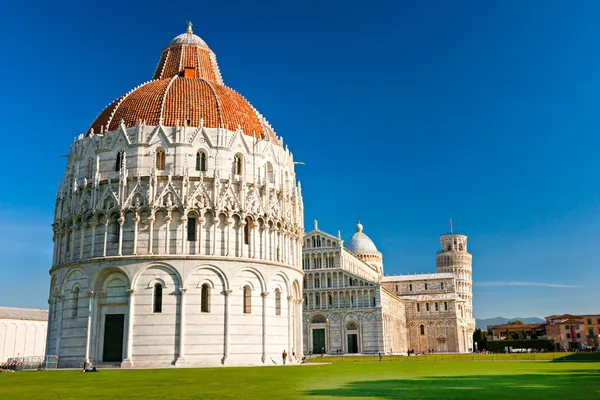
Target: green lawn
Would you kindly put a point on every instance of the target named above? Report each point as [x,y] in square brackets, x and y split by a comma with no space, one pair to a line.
[348,380]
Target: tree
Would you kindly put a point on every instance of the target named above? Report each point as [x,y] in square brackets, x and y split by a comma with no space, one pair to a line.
[479,337]
[515,322]
[533,333]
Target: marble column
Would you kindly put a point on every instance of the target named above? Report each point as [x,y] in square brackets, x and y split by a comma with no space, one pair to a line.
[226,293]
[290,310]
[88,340]
[299,330]
[136,221]
[61,301]
[121,221]
[168,233]
[106,224]
[199,244]
[81,239]
[151,239]
[128,361]
[182,320]
[93,245]
[184,241]
[264,326]
[228,223]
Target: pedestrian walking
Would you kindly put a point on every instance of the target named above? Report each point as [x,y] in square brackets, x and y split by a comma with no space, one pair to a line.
[284,356]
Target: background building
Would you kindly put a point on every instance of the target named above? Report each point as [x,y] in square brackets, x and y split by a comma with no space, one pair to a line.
[22,332]
[573,331]
[349,306]
[178,228]
[516,331]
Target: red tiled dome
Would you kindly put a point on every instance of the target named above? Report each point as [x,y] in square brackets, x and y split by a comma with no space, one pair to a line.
[187,90]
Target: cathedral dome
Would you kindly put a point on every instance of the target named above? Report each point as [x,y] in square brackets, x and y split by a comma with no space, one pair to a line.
[360,243]
[187,90]
[188,38]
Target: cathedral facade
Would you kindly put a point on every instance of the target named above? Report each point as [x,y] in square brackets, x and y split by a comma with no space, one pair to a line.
[178,228]
[351,307]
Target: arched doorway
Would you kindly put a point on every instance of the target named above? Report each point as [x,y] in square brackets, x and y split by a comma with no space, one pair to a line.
[352,337]
[317,329]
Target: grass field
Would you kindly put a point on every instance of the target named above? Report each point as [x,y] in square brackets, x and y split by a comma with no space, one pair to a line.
[348,380]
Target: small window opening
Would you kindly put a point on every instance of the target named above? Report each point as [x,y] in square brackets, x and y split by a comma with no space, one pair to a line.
[422,328]
[189,72]
[205,298]
[119,161]
[160,159]
[247,298]
[191,231]
[277,302]
[247,232]
[75,309]
[200,161]
[157,303]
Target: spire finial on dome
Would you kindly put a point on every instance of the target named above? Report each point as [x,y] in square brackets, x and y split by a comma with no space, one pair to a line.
[359,227]
[189,27]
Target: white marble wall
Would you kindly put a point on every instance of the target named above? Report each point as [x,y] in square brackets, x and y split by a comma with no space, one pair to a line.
[22,338]
[181,334]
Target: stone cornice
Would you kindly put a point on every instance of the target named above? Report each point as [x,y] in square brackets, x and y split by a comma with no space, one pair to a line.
[171,257]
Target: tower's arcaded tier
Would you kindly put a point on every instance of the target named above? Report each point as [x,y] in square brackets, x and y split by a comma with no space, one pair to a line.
[454,258]
[178,228]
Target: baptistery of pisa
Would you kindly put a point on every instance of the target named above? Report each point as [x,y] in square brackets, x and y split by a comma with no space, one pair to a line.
[178,228]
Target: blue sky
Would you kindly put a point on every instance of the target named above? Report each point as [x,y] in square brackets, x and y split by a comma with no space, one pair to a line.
[405,113]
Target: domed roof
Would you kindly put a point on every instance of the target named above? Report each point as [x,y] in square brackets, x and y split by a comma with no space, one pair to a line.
[188,38]
[360,243]
[187,89]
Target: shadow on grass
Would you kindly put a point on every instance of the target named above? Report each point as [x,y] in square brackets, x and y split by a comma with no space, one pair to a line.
[580,384]
[586,357]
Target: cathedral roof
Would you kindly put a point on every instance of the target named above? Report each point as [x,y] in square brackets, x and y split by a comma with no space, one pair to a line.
[360,243]
[186,90]
[30,314]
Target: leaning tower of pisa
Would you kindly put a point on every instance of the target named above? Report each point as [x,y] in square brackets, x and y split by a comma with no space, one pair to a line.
[454,258]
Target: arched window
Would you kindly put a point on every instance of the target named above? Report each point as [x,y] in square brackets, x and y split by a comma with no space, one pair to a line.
[191,229]
[200,161]
[75,308]
[410,287]
[277,302]
[330,300]
[422,329]
[205,298]
[270,174]
[237,165]
[317,299]
[247,298]
[425,286]
[161,159]
[351,326]
[442,285]
[247,231]
[157,298]
[119,161]
[90,168]
[318,319]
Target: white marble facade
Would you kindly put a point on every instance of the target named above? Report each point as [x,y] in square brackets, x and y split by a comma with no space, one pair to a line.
[177,245]
[351,307]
